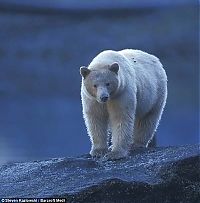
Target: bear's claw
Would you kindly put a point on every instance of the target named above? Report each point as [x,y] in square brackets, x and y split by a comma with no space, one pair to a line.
[100,152]
[114,155]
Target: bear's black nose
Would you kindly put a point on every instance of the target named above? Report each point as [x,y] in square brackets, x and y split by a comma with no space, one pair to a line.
[104,98]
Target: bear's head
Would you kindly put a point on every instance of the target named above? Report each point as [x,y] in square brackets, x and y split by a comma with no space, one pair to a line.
[101,83]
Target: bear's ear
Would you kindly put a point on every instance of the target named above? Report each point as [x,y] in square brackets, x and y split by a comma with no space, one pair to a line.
[84,71]
[114,67]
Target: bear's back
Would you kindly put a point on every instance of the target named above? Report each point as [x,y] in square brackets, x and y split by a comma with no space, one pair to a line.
[139,56]
[145,65]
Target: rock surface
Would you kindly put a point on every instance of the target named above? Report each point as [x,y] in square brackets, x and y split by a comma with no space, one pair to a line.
[164,175]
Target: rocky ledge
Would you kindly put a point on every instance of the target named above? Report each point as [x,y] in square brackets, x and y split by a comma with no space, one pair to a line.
[166,175]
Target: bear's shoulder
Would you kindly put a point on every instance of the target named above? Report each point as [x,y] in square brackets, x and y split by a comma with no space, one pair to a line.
[107,57]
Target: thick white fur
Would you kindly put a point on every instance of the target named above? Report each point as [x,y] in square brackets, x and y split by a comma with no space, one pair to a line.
[133,114]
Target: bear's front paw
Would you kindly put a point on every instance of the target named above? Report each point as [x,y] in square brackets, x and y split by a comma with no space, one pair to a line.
[99,152]
[114,155]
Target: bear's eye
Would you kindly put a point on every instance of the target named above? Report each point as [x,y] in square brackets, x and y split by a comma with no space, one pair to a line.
[107,84]
[95,86]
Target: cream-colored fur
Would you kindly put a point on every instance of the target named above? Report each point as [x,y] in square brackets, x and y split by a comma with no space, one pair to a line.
[134,110]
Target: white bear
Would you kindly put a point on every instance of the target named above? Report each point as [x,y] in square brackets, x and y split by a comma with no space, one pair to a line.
[123,92]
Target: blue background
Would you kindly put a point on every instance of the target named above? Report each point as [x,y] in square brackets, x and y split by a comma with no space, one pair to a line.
[42,46]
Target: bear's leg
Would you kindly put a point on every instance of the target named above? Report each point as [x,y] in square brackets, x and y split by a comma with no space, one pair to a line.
[122,124]
[145,128]
[96,120]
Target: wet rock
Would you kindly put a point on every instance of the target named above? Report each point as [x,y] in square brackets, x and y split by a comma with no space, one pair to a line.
[164,175]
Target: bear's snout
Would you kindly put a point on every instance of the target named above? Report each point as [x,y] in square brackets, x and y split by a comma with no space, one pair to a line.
[104,98]
[102,95]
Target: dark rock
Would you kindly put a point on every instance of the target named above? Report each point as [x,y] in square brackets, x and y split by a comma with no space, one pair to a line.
[166,175]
